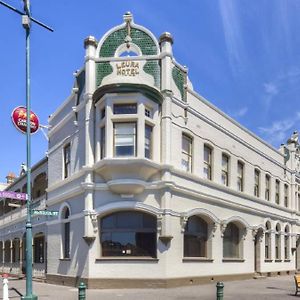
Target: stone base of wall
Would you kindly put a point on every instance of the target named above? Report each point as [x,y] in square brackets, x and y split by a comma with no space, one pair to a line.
[278,273]
[113,283]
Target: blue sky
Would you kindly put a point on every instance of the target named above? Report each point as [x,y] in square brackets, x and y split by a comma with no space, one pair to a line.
[243,56]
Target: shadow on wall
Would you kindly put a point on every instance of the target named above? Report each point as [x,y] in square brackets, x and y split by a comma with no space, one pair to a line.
[78,254]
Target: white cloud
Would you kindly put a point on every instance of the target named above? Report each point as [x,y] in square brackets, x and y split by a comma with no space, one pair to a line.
[240,112]
[280,130]
[278,84]
[233,36]
[271,88]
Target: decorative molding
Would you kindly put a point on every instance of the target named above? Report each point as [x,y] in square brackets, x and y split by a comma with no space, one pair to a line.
[223,228]
[183,221]
[254,233]
[214,229]
[244,233]
[159,223]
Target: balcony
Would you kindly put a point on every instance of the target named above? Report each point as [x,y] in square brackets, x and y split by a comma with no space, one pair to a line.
[127,176]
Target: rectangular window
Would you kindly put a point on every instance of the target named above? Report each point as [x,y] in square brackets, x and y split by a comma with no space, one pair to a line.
[267,187]
[186,153]
[207,169]
[277,246]
[67,161]
[39,249]
[148,112]
[67,240]
[102,142]
[286,247]
[256,183]
[267,245]
[148,141]
[225,169]
[120,109]
[240,176]
[277,186]
[124,139]
[286,195]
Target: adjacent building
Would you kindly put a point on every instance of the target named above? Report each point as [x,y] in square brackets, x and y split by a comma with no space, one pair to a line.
[153,185]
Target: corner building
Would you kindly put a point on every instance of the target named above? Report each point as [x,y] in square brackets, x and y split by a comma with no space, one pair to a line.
[156,187]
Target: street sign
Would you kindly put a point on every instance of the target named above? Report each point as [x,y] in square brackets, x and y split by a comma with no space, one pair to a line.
[19,119]
[13,195]
[51,213]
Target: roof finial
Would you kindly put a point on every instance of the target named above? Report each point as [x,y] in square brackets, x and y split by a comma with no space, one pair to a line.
[128,18]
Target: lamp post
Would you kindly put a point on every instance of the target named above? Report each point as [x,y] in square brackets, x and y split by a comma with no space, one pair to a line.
[26,22]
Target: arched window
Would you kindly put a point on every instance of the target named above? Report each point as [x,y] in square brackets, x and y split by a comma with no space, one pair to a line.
[286,243]
[16,250]
[195,237]
[39,248]
[231,241]
[7,252]
[66,232]
[268,241]
[128,233]
[277,243]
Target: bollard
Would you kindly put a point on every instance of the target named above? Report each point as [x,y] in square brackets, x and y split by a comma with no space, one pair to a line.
[5,287]
[81,291]
[220,290]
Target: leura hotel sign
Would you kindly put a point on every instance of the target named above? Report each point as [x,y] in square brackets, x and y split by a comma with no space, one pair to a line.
[128,68]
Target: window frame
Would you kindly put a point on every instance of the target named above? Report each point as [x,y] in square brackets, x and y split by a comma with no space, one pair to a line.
[277,242]
[268,242]
[201,236]
[267,187]
[208,164]
[67,160]
[232,244]
[115,229]
[130,106]
[66,236]
[187,154]
[277,191]
[102,142]
[256,182]
[286,195]
[135,136]
[150,142]
[240,176]
[225,169]
[39,249]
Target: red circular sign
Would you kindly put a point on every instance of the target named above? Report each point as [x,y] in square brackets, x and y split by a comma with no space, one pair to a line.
[19,119]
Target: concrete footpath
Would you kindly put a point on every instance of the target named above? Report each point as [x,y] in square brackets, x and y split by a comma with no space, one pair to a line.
[281,287]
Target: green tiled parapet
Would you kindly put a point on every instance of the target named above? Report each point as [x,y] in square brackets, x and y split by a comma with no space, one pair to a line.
[117,38]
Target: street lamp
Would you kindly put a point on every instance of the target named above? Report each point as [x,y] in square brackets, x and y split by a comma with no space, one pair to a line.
[26,22]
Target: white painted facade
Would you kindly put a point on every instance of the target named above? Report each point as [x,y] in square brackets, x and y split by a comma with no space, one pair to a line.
[89,179]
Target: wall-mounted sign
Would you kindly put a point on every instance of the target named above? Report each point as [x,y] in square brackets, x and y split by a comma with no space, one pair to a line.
[19,119]
[37,212]
[13,195]
[128,68]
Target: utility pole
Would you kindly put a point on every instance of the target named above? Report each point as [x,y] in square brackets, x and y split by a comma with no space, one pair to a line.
[26,22]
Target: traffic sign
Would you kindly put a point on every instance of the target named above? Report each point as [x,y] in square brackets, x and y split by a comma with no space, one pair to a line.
[39,212]
[13,195]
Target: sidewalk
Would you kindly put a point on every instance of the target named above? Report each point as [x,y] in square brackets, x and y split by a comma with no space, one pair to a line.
[281,287]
